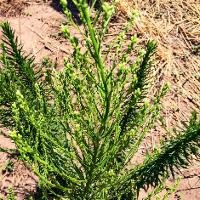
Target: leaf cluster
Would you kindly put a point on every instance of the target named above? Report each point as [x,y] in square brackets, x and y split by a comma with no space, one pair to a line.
[79,127]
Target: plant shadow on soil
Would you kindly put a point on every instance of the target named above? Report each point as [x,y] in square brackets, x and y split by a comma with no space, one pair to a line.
[72,7]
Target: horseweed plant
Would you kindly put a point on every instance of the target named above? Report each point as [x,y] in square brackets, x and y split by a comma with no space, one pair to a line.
[79,127]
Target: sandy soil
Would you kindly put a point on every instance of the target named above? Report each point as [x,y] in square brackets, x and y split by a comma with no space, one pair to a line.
[37,23]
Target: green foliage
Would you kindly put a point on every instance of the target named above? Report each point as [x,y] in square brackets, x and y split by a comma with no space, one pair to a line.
[169,190]
[79,127]
[11,195]
[9,166]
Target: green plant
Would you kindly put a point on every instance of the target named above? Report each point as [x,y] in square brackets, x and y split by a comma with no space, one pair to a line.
[11,195]
[79,127]
[9,166]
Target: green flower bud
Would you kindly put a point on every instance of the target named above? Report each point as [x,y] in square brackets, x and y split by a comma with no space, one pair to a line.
[63,3]
[108,9]
[134,39]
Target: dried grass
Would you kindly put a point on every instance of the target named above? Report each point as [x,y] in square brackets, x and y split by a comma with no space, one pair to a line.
[175,25]
[12,7]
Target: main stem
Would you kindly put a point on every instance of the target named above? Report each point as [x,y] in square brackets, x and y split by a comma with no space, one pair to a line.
[98,59]
[100,66]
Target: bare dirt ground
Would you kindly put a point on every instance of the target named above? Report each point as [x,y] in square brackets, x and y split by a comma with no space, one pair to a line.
[175,25]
